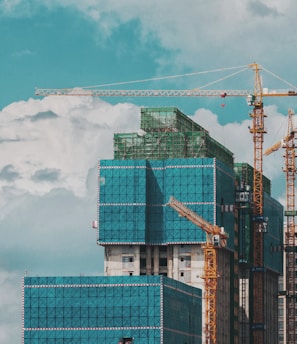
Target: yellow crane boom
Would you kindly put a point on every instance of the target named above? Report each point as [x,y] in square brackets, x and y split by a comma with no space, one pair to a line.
[216,237]
[282,143]
[274,148]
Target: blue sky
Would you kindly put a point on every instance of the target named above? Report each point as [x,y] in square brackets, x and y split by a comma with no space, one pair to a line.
[50,146]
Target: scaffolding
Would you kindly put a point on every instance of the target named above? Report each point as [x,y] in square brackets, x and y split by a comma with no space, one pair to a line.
[168,133]
[133,195]
[106,309]
[166,119]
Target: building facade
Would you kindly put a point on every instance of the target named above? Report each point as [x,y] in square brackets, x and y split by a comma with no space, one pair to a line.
[89,310]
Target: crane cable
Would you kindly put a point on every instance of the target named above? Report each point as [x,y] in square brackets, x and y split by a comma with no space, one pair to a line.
[279,78]
[163,77]
[289,84]
[221,79]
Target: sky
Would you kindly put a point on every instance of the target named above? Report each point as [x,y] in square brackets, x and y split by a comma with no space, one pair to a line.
[50,146]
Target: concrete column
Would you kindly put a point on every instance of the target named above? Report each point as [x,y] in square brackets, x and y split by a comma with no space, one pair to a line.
[136,260]
[175,268]
[169,261]
[106,261]
[148,260]
[156,260]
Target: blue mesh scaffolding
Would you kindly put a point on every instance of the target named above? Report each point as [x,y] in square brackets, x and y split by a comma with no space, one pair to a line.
[89,310]
[133,196]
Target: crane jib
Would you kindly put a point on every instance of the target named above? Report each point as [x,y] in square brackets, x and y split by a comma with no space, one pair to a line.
[160,93]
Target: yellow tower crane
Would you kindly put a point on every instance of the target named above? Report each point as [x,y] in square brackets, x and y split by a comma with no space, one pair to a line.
[255,99]
[215,238]
[288,142]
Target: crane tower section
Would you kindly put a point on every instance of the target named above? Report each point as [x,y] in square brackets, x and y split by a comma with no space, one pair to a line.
[288,142]
[290,235]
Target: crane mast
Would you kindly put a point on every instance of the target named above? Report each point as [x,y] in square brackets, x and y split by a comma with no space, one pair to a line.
[290,236]
[215,238]
[288,143]
[257,277]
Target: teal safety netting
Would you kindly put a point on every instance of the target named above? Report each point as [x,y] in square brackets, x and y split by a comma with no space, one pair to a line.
[133,196]
[88,310]
[273,239]
[273,211]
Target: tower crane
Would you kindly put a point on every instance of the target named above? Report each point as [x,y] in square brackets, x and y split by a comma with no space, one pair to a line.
[254,99]
[215,238]
[288,142]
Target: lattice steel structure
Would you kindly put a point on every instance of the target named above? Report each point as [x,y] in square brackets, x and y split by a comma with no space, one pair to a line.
[290,234]
[288,142]
[168,133]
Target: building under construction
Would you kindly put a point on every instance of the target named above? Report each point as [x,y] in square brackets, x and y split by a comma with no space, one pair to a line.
[144,238]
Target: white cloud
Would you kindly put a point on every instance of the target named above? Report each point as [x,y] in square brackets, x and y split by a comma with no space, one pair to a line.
[21,53]
[17,8]
[65,140]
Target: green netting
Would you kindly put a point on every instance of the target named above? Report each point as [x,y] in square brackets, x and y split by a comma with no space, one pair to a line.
[152,145]
[167,119]
[245,172]
[167,133]
[200,144]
